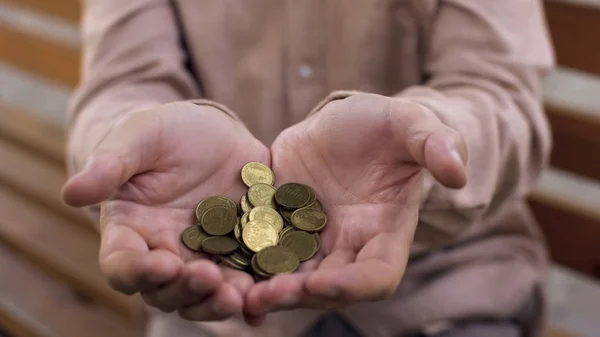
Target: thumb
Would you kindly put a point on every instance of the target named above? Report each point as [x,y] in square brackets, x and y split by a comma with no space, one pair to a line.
[130,148]
[432,144]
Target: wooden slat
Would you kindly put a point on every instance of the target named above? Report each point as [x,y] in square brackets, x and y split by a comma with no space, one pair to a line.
[574,29]
[576,138]
[36,135]
[61,249]
[37,178]
[553,332]
[34,305]
[572,232]
[63,9]
[45,58]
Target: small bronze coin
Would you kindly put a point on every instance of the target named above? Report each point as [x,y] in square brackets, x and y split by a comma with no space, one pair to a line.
[267,214]
[258,235]
[286,231]
[316,206]
[261,195]
[220,245]
[211,202]
[230,262]
[292,196]
[254,173]
[245,204]
[245,219]
[245,249]
[277,260]
[241,258]
[192,237]
[313,196]
[286,214]
[237,232]
[309,220]
[257,269]
[317,238]
[301,243]
[219,221]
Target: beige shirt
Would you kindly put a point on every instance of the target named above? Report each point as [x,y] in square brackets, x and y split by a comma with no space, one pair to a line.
[477,64]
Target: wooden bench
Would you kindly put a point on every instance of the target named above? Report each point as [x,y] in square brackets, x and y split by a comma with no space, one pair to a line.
[48,250]
[50,281]
[573,230]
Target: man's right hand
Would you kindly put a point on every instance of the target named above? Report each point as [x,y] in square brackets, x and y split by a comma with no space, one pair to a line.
[149,172]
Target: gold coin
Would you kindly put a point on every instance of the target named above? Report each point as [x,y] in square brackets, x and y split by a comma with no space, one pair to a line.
[293,196]
[302,244]
[316,206]
[309,220]
[245,219]
[313,196]
[254,173]
[245,204]
[267,214]
[285,231]
[286,214]
[230,262]
[241,258]
[277,260]
[258,235]
[219,221]
[257,269]
[237,232]
[317,238]
[220,245]
[192,237]
[245,249]
[211,202]
[261,195]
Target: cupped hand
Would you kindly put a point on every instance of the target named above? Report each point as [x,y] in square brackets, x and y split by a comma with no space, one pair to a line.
[149,172]
[364,155]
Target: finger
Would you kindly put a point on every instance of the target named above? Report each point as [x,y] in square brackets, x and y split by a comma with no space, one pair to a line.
[374,275]
[225,302]
[131,147]
[128,264]
[337,259]
[198,280]
[281,290]
[241,281]
[431,143]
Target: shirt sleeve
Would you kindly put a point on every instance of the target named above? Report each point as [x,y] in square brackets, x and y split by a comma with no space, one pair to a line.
[485,63]
[132,60]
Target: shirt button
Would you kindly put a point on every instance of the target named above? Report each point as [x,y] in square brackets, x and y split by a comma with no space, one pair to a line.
[305,71]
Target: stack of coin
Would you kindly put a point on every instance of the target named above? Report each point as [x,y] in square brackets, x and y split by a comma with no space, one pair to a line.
[276,231]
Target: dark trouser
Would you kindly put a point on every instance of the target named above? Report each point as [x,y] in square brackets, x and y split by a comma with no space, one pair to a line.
[521,325]
[334,325]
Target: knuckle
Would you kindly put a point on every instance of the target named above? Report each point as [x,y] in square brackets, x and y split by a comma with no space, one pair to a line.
[203,315]
[121,286]
[158,303]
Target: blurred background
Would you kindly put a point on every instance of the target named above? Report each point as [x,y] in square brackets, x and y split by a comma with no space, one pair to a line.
[50,284]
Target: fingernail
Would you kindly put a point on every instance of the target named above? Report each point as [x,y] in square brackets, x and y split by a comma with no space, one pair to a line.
[457,157]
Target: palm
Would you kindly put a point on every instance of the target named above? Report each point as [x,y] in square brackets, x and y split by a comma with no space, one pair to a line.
[368,193]
[363,155]
[159,203]
[151,171]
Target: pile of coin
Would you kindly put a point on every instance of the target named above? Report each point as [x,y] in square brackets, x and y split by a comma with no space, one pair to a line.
[272,231]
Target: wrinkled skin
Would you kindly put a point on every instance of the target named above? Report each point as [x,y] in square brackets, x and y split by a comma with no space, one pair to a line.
[363,155]
[151,170]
